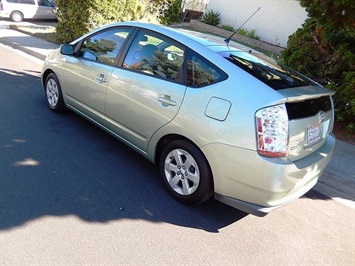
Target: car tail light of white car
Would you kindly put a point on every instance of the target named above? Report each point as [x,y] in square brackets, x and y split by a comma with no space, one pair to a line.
[272,131]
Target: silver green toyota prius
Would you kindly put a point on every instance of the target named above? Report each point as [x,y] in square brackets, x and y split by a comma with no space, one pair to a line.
[219,119]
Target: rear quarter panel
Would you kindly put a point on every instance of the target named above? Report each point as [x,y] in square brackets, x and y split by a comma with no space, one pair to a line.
[245,94]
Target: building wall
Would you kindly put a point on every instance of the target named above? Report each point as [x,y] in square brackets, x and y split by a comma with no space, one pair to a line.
[274,22]
[196,5]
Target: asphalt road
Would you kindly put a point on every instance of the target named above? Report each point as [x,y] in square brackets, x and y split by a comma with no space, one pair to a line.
[72,194]
[30,22]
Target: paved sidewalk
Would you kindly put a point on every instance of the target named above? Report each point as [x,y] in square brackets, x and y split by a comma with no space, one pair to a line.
[337,182]
[33,46]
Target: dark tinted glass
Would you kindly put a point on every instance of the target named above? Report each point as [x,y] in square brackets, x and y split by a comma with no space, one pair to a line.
[201,72]
[273,74]
[308,108]
[28,2]
[44,3]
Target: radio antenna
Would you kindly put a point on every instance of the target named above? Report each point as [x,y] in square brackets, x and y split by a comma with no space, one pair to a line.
[230,37]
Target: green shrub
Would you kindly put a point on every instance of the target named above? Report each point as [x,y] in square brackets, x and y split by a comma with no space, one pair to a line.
[248,33]
[172,13]
[210,17]
[242,31]
[345,99]
[77,17]
[327,55]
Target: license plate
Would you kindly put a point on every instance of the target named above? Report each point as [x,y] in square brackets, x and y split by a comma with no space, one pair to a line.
[313,134]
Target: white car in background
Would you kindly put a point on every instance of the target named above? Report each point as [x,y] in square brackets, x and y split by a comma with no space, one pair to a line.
[17,10]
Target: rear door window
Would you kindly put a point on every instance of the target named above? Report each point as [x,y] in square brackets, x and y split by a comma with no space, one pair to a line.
[153,54]
[28,2]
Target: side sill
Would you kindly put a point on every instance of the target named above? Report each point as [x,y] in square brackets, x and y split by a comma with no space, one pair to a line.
[250,208]
[124,141]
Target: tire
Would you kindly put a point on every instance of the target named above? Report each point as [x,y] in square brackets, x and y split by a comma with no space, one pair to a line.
[54,94]
[16,16]
[186,172]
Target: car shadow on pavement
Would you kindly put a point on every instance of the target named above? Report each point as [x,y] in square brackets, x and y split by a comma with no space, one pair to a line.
[62,165]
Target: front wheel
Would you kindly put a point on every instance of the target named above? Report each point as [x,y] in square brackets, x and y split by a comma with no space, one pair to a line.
[186,172]
[54,93]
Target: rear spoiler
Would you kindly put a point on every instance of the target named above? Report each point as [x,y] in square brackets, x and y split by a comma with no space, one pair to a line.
[305,93]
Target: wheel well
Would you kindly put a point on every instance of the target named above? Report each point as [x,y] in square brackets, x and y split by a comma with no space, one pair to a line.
[166,139]
[16,11]
[45,75]
[163,142]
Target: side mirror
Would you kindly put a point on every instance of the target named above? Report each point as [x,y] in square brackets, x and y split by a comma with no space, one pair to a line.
[67,49]
[89,55]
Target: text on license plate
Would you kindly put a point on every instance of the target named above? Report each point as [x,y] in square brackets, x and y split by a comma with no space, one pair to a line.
[313,134]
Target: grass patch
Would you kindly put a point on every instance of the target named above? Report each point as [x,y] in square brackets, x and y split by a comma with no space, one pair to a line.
[46,33]
[227,27]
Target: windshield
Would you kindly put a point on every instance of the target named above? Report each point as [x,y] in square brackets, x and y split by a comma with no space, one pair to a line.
[270,72]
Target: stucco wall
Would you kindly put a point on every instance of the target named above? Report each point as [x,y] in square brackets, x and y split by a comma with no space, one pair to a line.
[197,5]
[274,22]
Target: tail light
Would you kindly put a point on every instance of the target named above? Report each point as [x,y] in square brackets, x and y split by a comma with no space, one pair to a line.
[1,7]
[272,131]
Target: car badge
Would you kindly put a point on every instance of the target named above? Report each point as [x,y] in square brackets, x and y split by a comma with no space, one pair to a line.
[321,116]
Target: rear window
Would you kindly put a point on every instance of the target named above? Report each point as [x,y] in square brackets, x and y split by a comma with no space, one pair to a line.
[307,108]
[270,72]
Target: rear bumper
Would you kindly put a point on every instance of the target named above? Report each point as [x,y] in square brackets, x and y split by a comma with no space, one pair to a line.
[247,207]
[256,184]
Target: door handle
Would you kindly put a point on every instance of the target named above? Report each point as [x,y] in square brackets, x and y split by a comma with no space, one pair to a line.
[166,100]
[101,78]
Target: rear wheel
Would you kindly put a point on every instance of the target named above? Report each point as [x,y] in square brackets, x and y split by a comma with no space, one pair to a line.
[54,93]
[16,16]
[186,172]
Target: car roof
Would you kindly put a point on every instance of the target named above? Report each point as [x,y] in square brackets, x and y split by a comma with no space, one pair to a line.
[211,46]
[210,41]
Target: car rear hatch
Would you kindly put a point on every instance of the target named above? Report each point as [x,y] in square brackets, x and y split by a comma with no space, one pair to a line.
[301,125]
[311,117]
